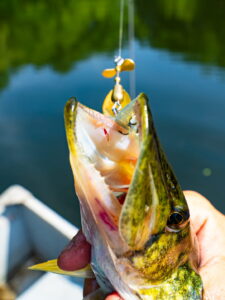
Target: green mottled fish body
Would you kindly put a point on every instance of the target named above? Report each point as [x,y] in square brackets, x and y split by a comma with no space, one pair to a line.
[133,210]
[168,272]
[179,286]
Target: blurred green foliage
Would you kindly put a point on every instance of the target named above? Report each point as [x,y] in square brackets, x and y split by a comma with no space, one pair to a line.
[61,32]
[54,32]
[193,28]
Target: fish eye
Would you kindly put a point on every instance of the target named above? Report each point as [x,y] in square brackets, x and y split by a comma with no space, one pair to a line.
[177,220]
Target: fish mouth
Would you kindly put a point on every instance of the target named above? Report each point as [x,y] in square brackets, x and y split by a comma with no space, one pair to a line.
[119,172]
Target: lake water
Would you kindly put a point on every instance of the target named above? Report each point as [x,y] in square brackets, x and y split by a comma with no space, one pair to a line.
[52,51]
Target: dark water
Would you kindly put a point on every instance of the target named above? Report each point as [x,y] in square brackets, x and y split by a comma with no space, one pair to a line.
[52,50]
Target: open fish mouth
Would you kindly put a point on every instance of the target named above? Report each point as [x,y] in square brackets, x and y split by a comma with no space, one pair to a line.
[133,210]
[118,172]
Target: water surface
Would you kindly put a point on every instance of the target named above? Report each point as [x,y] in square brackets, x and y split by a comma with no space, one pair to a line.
[51,51]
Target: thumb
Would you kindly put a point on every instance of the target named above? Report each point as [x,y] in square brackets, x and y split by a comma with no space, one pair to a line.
[76,255]
[209,226]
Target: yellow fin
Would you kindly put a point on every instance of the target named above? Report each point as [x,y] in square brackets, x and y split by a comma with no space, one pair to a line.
[51,266]
[108,73]
[108,103]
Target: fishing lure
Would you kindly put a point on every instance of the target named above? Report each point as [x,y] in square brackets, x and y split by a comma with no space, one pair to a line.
[142,246]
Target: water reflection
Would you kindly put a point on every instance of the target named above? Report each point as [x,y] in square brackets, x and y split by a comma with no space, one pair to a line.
[60,33]
[194,28]
[56,33]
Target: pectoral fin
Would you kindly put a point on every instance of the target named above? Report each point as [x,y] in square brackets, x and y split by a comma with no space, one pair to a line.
[51,266]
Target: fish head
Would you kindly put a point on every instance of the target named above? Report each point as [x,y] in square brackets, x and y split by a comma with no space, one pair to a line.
[133,210]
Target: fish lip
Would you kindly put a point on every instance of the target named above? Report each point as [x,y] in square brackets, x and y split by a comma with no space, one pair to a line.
[70,109]
[70,119]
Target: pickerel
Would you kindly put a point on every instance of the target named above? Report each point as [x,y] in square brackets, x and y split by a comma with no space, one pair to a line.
[133,211]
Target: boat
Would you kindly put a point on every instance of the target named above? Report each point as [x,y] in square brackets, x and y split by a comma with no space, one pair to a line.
[31,232]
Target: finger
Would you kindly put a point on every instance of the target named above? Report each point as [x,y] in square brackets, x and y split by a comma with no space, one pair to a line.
[76,255]
[213,279]
[90,285]
[114,296]
[209,225]
[200,209]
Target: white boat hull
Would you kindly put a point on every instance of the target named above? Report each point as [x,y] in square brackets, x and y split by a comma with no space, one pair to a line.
[32,232]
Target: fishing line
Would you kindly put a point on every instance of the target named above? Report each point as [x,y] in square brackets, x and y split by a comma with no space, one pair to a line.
[118,98]
[121,27]
[131,42]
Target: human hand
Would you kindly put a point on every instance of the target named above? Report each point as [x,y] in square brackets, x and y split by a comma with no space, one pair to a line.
[208,224]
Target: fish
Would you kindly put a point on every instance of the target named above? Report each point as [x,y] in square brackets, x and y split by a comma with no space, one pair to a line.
[133,210]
